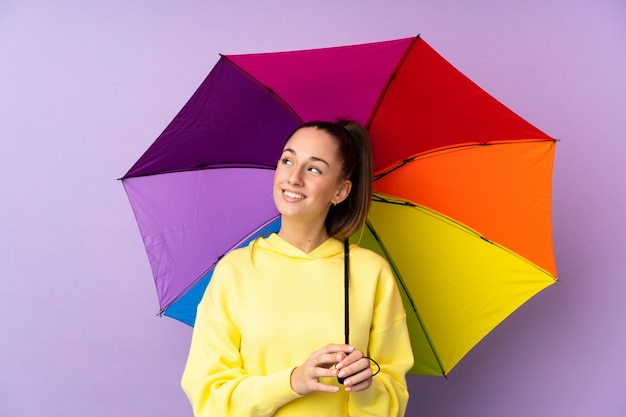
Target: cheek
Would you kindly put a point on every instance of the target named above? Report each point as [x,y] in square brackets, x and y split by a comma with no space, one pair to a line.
[275,185]
[278,175]
[279,179]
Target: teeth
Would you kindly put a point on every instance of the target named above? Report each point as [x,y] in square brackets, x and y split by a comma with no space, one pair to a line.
[294,195]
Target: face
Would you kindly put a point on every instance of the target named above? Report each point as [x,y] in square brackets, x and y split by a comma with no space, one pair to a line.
[308,176]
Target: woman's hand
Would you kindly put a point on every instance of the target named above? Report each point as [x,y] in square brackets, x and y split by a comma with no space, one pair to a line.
[356,370]
[347,362]
[305,379]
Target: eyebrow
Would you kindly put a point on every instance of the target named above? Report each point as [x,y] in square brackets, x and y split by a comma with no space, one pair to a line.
[312,158]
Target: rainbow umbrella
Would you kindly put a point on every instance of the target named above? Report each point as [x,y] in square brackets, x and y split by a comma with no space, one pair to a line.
[462,184]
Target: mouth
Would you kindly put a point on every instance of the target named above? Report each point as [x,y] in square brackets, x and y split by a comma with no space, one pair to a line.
[293,195]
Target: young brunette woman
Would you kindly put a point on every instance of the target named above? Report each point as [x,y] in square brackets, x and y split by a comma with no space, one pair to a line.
[268,335]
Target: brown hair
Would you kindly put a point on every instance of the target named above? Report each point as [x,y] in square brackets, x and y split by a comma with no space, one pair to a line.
[355,151]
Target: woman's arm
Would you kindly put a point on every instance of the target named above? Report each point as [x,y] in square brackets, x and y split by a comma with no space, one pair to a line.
[215,379]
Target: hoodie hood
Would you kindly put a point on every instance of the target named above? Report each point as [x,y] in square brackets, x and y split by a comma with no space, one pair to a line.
[274,243]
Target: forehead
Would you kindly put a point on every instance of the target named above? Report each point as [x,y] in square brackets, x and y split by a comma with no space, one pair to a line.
[313,142]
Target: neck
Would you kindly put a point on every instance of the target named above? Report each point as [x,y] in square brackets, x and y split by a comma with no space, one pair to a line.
[303,238]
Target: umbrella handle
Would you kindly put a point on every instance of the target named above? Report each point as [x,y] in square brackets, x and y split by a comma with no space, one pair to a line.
[346,282]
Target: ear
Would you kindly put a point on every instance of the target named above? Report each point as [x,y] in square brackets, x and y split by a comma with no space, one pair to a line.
[343,191]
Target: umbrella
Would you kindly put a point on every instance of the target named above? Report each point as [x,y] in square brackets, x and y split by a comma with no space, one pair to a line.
[462,184]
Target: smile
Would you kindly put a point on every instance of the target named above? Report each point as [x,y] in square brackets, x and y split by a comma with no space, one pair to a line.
[291,194]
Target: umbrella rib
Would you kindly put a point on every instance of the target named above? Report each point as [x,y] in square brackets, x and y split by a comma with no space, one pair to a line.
[408,294]
[380,199]
[455,148]
[202,275]
[266,88]
[201,167]
[389,81]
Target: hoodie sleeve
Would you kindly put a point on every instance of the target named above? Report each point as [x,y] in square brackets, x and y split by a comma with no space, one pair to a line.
[390,347]
[214,379]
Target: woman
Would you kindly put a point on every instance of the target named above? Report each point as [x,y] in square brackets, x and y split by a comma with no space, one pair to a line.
[267,338]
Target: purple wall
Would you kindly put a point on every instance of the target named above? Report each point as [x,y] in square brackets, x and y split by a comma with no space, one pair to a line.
[85,88]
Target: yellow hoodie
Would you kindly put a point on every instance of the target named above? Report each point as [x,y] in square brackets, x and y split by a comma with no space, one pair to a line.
[269,306]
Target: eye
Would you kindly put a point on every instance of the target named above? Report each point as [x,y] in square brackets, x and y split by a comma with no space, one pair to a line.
[315,170]
[285,161]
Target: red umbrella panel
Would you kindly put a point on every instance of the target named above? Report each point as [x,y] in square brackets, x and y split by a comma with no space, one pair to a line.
[462,204]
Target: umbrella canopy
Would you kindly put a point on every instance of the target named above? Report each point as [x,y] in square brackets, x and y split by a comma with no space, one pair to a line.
[462,184]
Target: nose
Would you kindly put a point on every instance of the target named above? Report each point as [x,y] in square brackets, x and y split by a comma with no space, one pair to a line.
[295,177]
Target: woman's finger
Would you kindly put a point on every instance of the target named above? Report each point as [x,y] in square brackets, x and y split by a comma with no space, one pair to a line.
[352,387]
[355,361]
